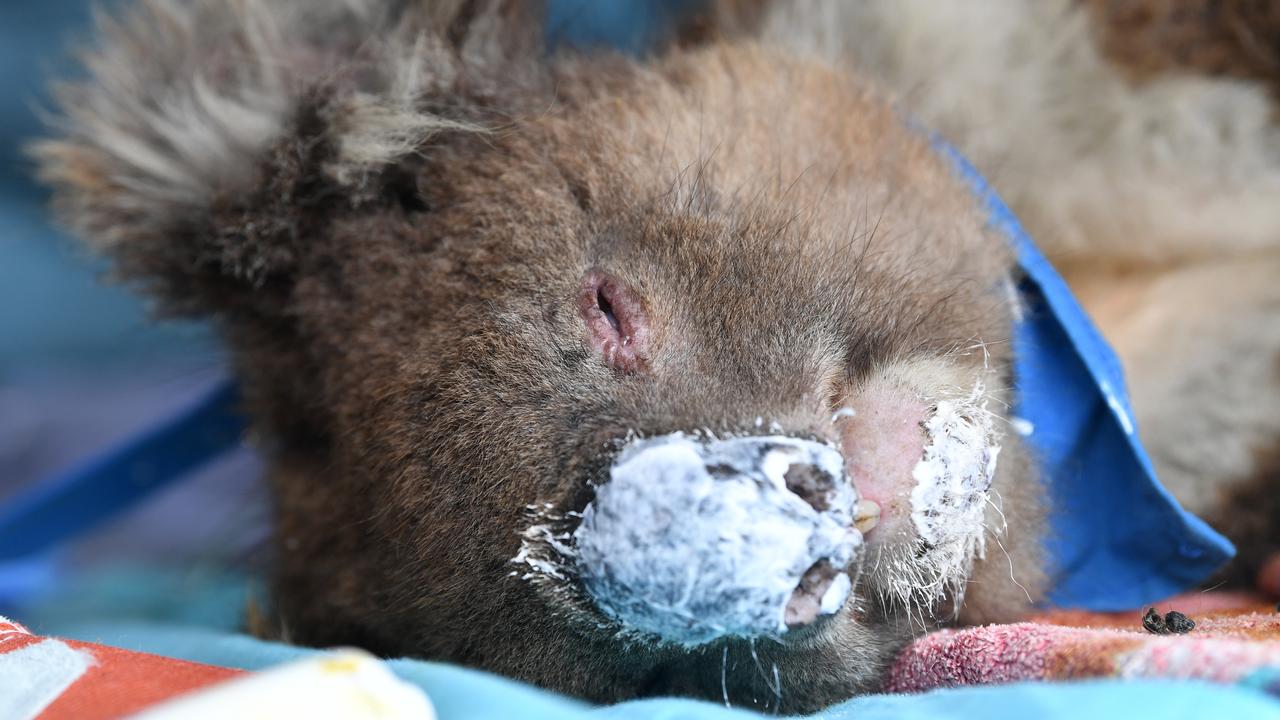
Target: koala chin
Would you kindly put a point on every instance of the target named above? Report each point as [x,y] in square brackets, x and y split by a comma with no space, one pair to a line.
[486,301]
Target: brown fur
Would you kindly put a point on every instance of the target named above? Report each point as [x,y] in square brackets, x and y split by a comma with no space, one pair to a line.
[1249,513]
[1228,38]
[411,355]
[716,20]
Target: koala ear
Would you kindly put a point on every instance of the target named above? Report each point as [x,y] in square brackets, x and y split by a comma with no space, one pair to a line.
[210,137]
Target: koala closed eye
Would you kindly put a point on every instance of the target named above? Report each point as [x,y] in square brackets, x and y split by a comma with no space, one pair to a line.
[617,324]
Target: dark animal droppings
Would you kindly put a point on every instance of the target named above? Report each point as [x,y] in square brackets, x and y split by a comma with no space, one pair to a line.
[1173,622]
[1177,623]
[1152,621]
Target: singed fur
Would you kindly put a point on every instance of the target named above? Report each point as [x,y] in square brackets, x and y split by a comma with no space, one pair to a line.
[388,208]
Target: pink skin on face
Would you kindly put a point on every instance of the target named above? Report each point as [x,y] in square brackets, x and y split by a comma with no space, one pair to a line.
[882,442]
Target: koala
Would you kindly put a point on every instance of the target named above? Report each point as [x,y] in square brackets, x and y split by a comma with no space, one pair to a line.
[483,298]
[1139,144]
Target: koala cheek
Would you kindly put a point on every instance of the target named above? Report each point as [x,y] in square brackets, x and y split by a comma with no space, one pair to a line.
[925,466]
[927,460]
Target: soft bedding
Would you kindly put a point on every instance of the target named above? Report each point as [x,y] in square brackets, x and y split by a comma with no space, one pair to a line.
[1234,645]
[459,693]
[1062,664]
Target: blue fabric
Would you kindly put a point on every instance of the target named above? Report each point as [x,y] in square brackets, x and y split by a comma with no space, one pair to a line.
[1118,538]
[462,694]
[63,507]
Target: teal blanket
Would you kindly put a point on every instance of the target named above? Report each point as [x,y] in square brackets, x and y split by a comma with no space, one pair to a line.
[462,694]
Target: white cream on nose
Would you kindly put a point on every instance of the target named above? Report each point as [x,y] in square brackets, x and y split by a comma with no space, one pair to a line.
[694,539]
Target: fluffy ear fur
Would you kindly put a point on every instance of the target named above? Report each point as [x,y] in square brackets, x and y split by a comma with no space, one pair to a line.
[211,136]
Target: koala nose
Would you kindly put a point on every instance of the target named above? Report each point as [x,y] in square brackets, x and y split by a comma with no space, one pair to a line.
[694,539]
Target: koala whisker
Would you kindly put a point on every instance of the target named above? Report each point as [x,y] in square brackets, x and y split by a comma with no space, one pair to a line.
[1013,579]
[776,686]
[724,671]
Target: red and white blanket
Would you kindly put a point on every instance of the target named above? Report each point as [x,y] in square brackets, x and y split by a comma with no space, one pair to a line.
[1235,640]
[49,679]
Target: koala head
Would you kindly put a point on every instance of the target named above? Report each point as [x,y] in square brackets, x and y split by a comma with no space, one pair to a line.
[461,277]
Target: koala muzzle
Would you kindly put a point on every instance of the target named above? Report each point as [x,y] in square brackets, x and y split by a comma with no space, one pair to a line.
[693,539]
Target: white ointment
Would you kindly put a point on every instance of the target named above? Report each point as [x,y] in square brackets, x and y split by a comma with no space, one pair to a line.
[693,540]
[952,488]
